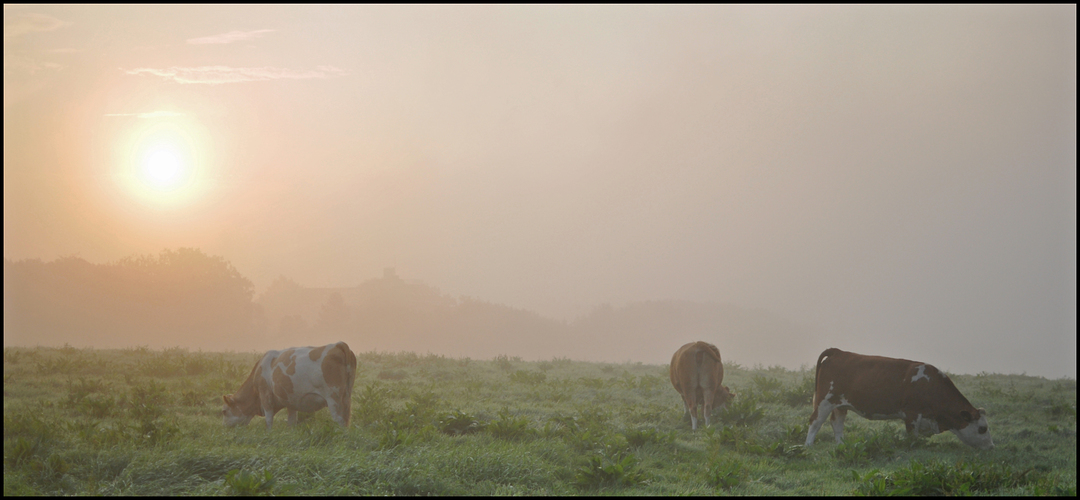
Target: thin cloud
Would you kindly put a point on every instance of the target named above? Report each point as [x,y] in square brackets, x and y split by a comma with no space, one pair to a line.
[215,75]
[152,114]
[230,37]
[29,23]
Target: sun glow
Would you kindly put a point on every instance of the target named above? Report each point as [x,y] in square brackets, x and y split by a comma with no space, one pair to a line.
[165,162]
[162,169]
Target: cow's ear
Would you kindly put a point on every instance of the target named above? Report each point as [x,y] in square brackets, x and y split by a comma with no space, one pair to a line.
[967,415]
[227,399]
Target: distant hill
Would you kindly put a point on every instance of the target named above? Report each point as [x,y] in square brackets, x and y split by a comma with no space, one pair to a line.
[391,314]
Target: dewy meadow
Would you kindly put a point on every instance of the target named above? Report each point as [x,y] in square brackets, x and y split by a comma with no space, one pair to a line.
[514,216]
[147,422]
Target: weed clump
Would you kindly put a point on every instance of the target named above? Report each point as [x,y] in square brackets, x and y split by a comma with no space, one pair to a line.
[510,427]
[639,438]
[243,483]
[726,474]
[798,395]
[962,478]
[371,404]
[604,470]
[457,423]
[882,444]
[743,410]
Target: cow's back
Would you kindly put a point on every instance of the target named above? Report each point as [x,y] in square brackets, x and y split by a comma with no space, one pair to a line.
[696,365]
[874,380]
[707,359]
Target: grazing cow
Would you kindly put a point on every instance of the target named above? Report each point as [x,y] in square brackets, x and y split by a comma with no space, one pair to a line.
[880,388]
[298,379]
[696,372]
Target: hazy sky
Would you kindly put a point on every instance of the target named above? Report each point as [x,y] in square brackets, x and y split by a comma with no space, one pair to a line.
[902,179]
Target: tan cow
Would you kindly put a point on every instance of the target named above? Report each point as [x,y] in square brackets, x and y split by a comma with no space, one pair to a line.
[696,372]
[880,388]
[297,379]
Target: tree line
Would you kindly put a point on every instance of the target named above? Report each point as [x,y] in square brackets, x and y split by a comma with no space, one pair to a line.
[178,297]
[187,298]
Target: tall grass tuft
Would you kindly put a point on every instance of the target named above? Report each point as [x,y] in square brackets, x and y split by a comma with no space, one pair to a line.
[457,423]
[883,443]
[938,478]
[603,470]
[745,410]
[243,483]
[510,427]
[726,473]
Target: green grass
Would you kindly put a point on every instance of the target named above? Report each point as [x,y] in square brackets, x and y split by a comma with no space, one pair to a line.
[144,422]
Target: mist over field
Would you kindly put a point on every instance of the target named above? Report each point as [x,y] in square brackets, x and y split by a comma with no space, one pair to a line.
[601,183]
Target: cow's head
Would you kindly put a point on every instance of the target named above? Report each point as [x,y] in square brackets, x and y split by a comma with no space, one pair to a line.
[722,397]
[233,413]
[974,431]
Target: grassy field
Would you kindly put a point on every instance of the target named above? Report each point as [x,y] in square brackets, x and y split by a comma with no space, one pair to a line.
[144,422]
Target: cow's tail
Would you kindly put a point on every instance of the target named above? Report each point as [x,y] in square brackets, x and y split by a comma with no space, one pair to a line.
[699,359]
[711,351]
[817,370]
[350,377]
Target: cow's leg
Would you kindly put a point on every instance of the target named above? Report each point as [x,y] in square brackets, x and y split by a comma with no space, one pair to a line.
[692,404]
[335,411]
[912,426]
[266,401]
[838,416]
[817,419]
[708,397]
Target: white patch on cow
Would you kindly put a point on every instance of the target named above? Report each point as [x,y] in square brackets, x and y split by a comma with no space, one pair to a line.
[971,436]
[921,374]
[823,410]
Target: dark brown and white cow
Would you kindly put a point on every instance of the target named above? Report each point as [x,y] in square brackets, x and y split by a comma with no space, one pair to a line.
[880,388]
[297,379]
[696,372]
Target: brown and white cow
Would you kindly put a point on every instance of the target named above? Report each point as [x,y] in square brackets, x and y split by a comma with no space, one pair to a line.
[696,372]
[297,379]
[880,388]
